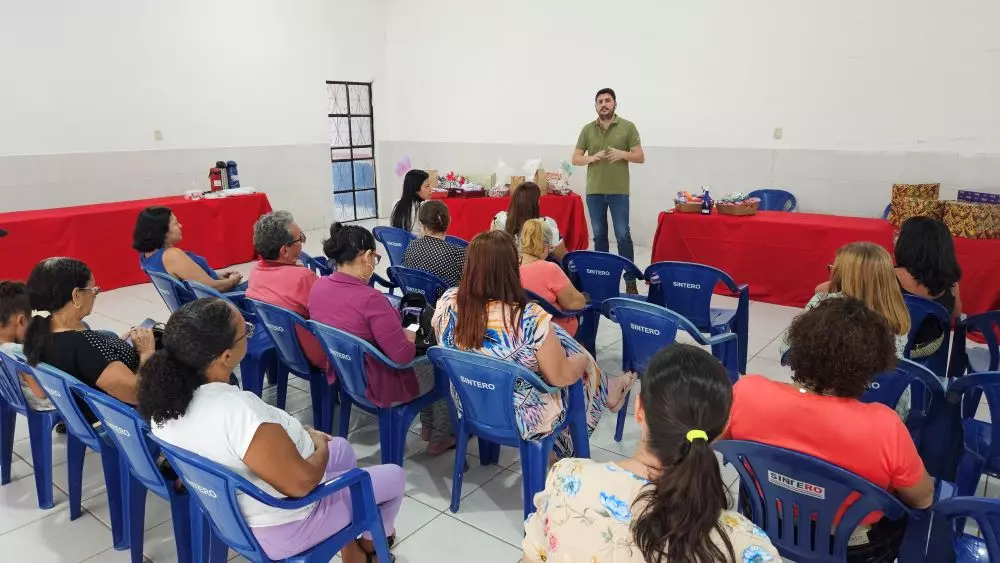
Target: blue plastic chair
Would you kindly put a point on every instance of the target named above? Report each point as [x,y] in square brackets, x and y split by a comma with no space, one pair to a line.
[979,456]
[129,432]
[775,200]
[459,242]
[395,242]
[686,288]
[921,309]
[174,292]
[798,487]
[926,395]
[984,359]
[646,329]
[959,546]
[348,355]
[484,387]
[80,435]
[888,209]
[40,425]
[281,324]
[215,488]
[319,267]
[558,313]
[261,357]
[411,280]
[598,275]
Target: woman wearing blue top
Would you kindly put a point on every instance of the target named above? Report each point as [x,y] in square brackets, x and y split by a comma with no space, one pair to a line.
[157,231]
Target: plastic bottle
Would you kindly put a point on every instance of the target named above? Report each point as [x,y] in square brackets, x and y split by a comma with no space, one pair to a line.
[706,202]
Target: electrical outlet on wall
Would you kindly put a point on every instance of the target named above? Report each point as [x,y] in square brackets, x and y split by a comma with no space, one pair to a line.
[778,132]
[157,135]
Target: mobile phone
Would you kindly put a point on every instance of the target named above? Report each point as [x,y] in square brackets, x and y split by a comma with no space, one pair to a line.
[413,327]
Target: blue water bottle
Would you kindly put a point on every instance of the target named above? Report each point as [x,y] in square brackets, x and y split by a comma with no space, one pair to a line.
[706,203]
[233,174]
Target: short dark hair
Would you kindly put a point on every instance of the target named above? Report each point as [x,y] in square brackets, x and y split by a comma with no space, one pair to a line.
[151,229]
[839,346]
[607,91]
[14,300]
[926,250]
[434,215]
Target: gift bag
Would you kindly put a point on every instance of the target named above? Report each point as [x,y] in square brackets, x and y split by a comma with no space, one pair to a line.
[904,208]
[972,220]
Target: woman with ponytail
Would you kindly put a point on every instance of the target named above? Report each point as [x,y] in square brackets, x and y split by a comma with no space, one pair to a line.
[64,289]
[185,392]
[665,504]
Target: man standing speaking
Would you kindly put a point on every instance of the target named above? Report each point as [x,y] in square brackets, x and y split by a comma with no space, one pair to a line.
[606,146]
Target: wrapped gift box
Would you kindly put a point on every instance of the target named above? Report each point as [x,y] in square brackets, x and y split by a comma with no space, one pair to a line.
[904,208]
[921,191]
[978,197]
[972,220]
[903,193]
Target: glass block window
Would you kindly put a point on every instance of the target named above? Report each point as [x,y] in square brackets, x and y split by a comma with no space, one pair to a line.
[352,149]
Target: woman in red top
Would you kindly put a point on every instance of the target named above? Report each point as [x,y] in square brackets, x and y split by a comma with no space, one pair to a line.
[837,349]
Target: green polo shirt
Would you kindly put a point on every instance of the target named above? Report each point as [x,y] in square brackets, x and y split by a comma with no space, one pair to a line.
[608,177]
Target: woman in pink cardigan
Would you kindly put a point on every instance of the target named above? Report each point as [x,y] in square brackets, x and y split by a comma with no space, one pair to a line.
[344,300]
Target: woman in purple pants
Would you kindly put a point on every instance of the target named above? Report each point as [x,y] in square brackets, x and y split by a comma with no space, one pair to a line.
[184,389]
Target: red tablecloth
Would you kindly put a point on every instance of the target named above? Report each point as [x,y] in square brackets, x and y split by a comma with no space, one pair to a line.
[221,230]
[783,256]
[471,216]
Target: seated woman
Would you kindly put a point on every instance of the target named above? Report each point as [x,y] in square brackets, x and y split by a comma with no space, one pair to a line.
[417,189]
[430,252]
[665,503]
[864,271]
[837,348]
[524,206]
[344,300]
[279,279]
[926,266]
[185,392]
[157,231]
[488,314]
[15,312]
[544,278]
[65,288]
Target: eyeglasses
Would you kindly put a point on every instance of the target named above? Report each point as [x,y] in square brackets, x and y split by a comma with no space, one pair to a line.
[378,257]
[248,333]
[95,289]
[301,238]
[829,268]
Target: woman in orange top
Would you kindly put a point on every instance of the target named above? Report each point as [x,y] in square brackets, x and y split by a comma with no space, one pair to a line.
[838,347]
[544,278]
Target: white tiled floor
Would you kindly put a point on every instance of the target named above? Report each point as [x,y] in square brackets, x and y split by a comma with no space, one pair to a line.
[486,529]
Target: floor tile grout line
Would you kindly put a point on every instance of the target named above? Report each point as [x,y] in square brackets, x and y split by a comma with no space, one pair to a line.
[474,527]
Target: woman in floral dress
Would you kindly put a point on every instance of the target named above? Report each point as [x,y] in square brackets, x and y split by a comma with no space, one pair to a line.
[489,314]
[667,500]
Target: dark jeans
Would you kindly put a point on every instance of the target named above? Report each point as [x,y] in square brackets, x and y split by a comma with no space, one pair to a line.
[597,207]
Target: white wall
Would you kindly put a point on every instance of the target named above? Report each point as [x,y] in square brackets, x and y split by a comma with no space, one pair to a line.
[217,78]
[101,76]
[847,75]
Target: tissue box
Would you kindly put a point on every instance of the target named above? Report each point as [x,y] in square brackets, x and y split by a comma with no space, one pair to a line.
[978,197]
[904,208]
[972,220]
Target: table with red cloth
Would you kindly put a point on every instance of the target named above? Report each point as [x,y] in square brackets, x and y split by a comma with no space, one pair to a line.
[471,216]
[221,230]
[784,256]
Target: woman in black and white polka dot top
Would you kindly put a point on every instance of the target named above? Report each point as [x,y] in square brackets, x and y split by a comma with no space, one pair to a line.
[65,288]
[430,252]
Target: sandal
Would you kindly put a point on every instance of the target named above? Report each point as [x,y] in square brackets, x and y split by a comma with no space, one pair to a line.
[371,555]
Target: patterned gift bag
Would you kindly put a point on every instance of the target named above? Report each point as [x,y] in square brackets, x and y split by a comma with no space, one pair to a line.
[905,208]
[972,220]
